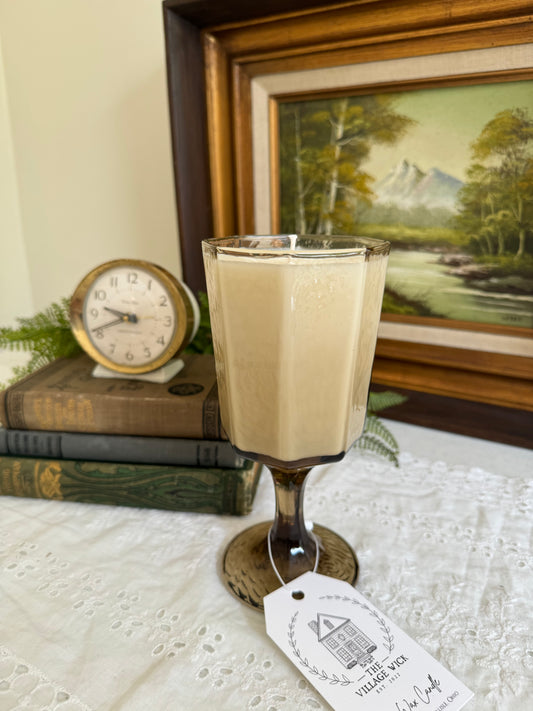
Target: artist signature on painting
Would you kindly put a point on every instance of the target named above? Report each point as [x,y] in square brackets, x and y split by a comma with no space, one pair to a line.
[420,696]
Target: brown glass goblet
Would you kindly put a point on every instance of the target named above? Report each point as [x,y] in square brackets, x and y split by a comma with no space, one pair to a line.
[294,321]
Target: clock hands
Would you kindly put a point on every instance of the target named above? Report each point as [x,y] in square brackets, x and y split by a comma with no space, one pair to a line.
[122,318]
[106,325]
[130,318]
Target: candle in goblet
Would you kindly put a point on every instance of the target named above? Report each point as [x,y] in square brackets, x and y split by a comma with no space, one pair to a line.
[294,321]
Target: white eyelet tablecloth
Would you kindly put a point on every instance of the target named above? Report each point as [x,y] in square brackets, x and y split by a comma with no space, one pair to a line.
[120,609]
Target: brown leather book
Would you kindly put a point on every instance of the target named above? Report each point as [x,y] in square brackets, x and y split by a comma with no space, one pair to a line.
[64,396]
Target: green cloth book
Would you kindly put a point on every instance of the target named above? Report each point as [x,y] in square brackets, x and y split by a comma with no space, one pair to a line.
[193,489]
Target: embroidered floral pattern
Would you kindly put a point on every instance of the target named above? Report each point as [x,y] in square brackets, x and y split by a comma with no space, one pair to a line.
[115,609]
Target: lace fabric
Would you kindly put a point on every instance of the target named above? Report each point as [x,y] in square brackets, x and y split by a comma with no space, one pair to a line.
[115,609]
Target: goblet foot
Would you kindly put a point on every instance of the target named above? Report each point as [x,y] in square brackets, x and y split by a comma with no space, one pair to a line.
[247,569]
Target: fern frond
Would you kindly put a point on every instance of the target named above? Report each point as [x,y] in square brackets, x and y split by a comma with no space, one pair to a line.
[35,362]
[381,401]
[46,336]
[47,332]
[371,443]
[203,341]
[53,316]
[374,426]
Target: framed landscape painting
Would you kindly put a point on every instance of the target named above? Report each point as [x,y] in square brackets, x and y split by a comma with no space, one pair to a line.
[386,117]
[444,173]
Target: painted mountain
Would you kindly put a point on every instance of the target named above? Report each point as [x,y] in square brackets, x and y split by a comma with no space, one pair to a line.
[407,186]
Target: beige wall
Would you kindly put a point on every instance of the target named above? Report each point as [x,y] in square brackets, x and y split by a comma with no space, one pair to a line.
[15,287]
[86,171]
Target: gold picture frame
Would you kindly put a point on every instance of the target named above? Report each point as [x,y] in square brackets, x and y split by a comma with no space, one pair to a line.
[215,53]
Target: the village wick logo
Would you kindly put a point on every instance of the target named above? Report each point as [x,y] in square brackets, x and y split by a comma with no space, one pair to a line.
[342,638]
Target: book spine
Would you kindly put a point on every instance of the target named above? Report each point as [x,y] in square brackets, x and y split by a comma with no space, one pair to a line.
[12,401]
[64,397]
[55,411]
[209,490]
[119,448]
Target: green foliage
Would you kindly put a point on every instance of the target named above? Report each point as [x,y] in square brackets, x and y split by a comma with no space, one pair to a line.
[323,145]
[203,341]
[506,265]
[383,400]
[401,234]
[391,305]
[418,216]
[376,438]
[45,336]
[496,202]
[396,303]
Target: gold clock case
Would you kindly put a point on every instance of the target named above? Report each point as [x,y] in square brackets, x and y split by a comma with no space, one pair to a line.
[182,304]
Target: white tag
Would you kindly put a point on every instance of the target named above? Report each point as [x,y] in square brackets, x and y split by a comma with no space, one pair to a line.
[355,656]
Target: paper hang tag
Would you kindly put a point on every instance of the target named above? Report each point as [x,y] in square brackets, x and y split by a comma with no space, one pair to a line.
[353,655]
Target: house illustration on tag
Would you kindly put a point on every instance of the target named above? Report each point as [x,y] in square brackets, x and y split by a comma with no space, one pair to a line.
[343,639]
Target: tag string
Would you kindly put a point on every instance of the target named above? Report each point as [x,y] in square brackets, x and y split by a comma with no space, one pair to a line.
[269,546]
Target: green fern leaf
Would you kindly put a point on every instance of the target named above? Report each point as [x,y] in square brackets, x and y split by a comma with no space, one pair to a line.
[203,341]
[383,400]
[374,426]
[374,445]
[45,336]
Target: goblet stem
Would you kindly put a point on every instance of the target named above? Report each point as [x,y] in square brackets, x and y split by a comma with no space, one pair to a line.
[293,549]
[262,556]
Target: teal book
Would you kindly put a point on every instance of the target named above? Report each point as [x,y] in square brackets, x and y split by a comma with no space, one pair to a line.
[119,448]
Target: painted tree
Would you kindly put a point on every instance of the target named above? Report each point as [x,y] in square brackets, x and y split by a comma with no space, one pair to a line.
[497,200]
[477,200]
[323,145]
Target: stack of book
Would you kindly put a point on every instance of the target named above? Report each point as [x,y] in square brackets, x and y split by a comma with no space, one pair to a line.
[67,435]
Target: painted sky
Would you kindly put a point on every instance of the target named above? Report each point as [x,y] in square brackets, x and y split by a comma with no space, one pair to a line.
[449,119]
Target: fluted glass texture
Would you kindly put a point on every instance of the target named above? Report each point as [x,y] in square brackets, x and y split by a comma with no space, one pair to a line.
[294,321]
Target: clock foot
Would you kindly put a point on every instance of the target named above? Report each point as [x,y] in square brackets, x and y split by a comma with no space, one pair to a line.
[161,375]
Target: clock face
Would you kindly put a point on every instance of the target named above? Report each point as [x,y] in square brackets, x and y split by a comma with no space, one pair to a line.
[129,315]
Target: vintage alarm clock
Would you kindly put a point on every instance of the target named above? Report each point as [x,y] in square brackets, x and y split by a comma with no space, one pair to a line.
[133,317]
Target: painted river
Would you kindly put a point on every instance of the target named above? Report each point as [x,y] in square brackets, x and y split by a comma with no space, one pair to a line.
[417,275]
